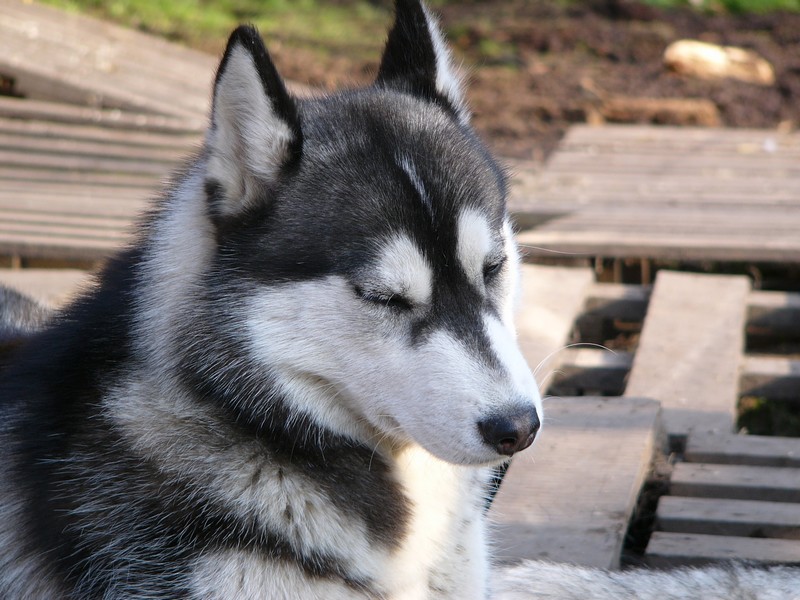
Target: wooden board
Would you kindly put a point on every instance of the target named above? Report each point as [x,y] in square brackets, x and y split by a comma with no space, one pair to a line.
[54,55]
[670,549]
[774,312]
[744,450]
[552,298]
[777,484]
[717,516]
[51,287]
[667,193]
[773,377]
[569,498]
[690,349]
[587,370]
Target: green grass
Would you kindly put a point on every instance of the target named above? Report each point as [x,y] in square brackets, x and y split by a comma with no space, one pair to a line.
[206,23]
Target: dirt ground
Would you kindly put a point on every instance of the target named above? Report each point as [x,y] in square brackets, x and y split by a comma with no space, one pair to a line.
[536,67]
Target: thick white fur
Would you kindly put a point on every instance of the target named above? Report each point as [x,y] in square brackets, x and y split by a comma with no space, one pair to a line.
[249,141]
[475,244]
[404,271]
[548,581]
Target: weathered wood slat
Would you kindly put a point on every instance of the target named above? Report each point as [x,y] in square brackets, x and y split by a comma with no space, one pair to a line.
[552,298]
[686,137]
[51,56]
[768,313]
[683,164]
[744,450]
[670,549]
[145,181]
[21,218]
[717,516]
[53,146]
[569,499]
[775,312]
[48,245]
[646,192]
[776,484]
[774,377]
[661,245]
[591,369]
[71,115]
[690,349]
[618,301]
[73,162]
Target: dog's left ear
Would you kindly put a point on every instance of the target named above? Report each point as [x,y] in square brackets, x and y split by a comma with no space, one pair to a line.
[255,127]
[416,60]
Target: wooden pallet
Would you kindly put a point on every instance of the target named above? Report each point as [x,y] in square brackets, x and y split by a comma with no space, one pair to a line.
[734,496]
[742,501]
[71,189]
[665,193]
[570,498]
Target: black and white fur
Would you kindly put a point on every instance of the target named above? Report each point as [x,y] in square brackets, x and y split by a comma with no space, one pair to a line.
[296,382]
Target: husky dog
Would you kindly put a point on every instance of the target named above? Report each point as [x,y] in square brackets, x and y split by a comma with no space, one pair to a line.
[296,381]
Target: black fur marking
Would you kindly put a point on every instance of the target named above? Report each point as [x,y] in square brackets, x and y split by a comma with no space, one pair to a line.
[282,103]
[409,59]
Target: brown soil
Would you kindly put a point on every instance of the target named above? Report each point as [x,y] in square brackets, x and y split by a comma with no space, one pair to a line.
[537,67]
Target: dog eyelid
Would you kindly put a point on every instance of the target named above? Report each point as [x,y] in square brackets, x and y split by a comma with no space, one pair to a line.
[492,267]
[387,299]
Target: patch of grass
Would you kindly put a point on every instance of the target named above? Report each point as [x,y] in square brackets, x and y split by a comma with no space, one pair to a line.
[205,24]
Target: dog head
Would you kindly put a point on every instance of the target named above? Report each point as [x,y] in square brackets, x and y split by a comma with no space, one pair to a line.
[366,240]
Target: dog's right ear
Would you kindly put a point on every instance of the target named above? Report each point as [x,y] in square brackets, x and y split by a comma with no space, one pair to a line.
[255,128]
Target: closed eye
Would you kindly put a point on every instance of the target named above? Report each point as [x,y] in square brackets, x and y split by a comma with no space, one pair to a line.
[492,269]
[387,299]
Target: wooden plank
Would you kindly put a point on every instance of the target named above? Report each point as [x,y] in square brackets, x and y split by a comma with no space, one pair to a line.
[552,298]
[744,450]
[716,516]
[774,312]
[114,119]
[584,242]
[650,193]
[671,549]
[51,287]
[773,377]
[50,245]
[776,484]
[569,499]
[73,162]
[144,181]
[618,301]
[591,370]
[90,148]
[743,140]
[51,56]
[690,349]
[734,165]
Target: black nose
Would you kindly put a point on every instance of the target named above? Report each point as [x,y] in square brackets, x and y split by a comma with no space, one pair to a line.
[510,432]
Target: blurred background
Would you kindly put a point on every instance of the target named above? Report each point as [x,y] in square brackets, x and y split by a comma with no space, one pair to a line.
[536,66]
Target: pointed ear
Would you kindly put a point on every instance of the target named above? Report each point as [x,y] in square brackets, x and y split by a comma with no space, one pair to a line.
[255,128]
[416,60]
